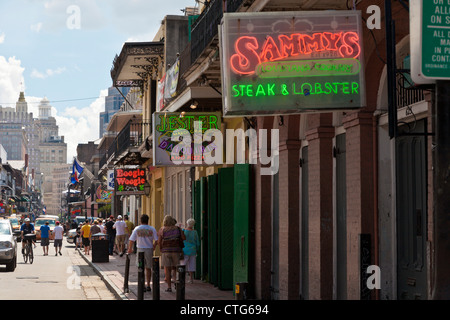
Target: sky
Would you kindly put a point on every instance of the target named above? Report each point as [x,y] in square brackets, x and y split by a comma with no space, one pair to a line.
[64,50]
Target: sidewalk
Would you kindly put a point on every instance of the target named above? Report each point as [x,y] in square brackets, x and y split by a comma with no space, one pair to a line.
[112,273]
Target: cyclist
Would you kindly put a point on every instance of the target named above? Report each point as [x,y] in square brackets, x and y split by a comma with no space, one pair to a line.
[26,228]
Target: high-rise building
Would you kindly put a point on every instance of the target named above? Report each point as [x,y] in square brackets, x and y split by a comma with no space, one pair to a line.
[113,101]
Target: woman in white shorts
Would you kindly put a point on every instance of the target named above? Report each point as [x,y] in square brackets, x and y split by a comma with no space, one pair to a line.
[191,245]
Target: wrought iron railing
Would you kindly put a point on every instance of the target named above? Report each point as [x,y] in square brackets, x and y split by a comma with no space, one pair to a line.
[205,28]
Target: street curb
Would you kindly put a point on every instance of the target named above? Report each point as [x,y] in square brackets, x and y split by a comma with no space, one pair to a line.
[111,286]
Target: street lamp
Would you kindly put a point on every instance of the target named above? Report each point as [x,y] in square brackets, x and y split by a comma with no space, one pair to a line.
[147,188]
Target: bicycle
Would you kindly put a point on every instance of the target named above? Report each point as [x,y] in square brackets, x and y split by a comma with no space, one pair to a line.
[28,252]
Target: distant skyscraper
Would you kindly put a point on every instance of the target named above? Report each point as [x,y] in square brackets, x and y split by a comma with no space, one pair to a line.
[113,101]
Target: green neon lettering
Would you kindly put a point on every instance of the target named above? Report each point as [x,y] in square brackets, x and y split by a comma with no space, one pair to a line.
[270,88]
[284,90]
[250,91]
[234,88]
[317,88]
[345,88]
[213,120]
[355,86]
[260,90]
[242,86]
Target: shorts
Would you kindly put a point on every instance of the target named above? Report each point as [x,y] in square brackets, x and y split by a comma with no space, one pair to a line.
[189,262]
[58,243]
[148,257]
[120,239]
[86,242]
[45,242]
[170,259]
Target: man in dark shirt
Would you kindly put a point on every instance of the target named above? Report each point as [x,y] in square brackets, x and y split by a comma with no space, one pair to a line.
[111,232]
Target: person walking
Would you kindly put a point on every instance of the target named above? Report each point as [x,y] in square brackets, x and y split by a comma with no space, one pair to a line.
[170,240]
[121,230]
[101,226]
[58,231]
[111,232]
[86,236]
[45,237]
[78,236]
[191,246]
[94,229]
[130,228]
[145,237]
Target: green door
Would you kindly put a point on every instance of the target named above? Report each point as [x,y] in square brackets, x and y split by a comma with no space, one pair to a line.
[197,218]
[204,227]
[212,229]
[241,223]
[225,226]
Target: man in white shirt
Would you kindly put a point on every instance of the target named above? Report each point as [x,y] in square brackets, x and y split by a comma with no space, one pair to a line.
[121,231]
[145,237]
[58,231]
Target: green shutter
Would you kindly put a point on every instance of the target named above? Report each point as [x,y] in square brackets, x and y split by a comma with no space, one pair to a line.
[198,226]
[204,228]
[242,242]
[212,229]
[225,227]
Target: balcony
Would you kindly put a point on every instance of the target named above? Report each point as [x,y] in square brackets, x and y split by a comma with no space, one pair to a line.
[205,28]
[124,149]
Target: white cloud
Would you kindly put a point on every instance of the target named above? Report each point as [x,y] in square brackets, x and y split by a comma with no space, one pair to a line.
[11,80]
[2,37]
[80,125]
[47,73]
[36,27]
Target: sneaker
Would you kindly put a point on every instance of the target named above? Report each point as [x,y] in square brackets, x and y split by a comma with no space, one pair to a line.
[56,254]
[60,253]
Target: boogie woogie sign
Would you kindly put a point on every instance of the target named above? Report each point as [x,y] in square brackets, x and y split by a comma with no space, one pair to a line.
[291,62]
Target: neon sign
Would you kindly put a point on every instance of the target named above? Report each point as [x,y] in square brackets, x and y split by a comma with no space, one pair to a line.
[166,140]
[129,181]
[291,62]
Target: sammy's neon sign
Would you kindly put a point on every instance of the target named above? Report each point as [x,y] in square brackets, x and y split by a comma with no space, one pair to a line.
[291,62]
[250,53]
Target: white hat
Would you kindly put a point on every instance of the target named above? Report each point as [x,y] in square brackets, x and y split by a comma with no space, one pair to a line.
[27,219]
[119,217]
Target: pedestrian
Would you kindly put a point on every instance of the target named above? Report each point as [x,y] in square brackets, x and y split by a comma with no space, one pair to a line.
[58,231]
[121,231]
[78,236]
[45,237]
[111,232]
[94,229]
[145,237]
[170,240]
[130,228]
[191,246]
[85,236]
[101,226]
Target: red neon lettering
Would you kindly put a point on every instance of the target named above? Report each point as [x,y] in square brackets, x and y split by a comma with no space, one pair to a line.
[313,43]
[350,45]
[291,43]
[331,40]
[246,58]
[270,51]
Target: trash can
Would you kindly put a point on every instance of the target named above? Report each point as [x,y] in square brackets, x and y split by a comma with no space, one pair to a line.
[100,251]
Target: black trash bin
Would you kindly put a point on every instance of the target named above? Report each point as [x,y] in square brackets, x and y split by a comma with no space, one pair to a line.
[100,252]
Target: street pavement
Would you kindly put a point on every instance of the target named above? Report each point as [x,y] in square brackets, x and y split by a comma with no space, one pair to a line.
[65,277]
[113,272]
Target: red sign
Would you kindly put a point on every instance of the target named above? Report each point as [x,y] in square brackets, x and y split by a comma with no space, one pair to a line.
[129,181]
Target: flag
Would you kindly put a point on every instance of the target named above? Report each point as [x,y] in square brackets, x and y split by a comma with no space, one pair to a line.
[76,171]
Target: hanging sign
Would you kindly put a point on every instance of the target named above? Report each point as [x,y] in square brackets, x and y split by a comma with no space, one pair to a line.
[291,62]
[129,181]
[168,149]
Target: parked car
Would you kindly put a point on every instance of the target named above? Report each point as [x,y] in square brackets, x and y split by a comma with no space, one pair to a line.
[14,222]
[71,235]
[41,221]
[8,245]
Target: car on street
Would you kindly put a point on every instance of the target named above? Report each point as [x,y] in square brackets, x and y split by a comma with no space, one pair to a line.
[14,222]
[8,245]
[71,235]
[41,221]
